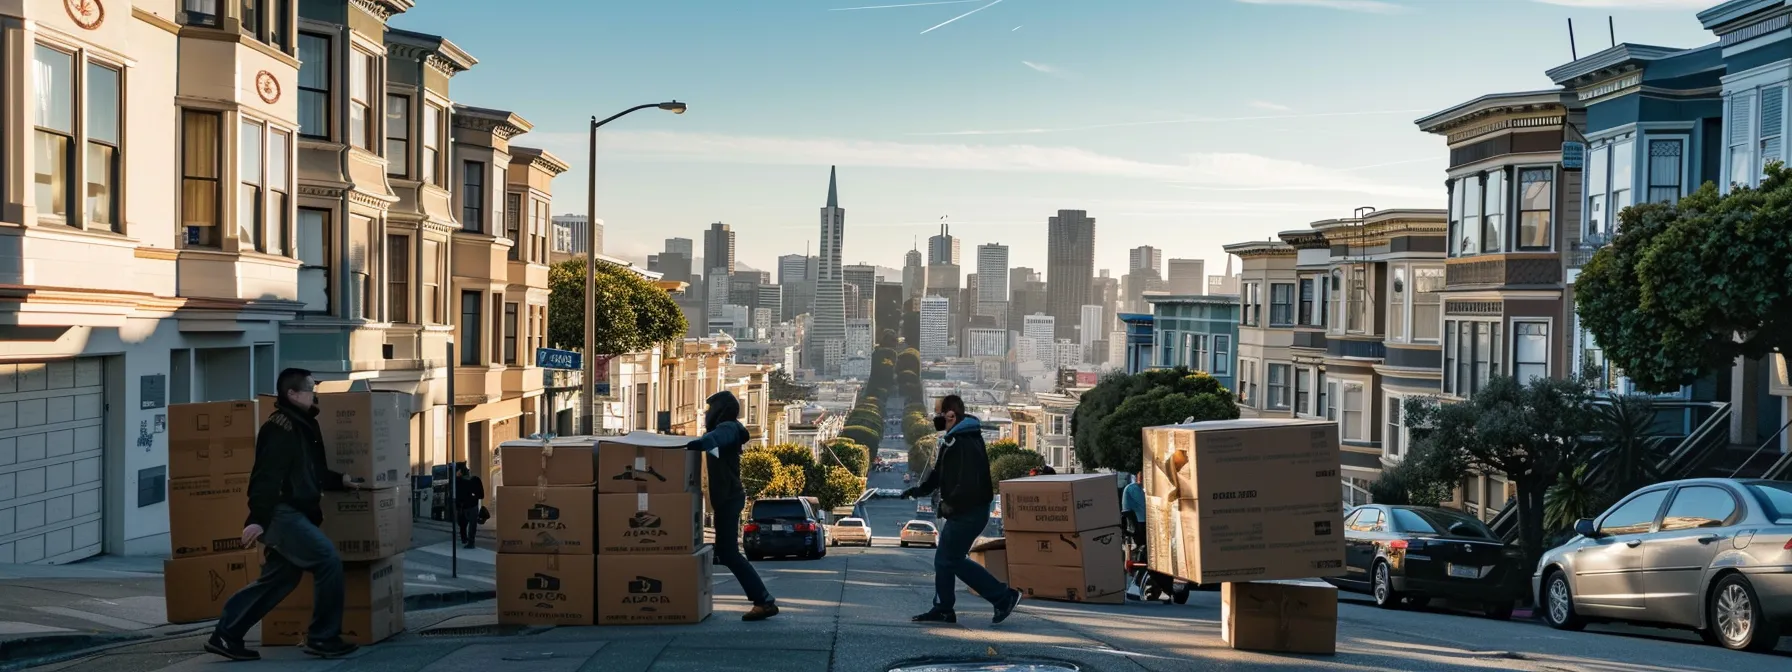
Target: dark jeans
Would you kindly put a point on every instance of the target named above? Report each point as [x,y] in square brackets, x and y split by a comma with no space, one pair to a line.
[728,553]
[294,546]
[951,562]
[469,523]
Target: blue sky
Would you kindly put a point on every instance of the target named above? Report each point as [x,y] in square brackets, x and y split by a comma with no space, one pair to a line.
[1182,124]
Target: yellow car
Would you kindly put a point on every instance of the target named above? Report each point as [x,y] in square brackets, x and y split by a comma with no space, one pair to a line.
[920,532]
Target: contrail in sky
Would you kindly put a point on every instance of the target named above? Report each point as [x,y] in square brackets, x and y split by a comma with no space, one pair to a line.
[911,4]
[960,16]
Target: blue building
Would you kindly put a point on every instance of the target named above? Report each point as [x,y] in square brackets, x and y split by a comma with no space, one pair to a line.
[1197,331]
[1140,336]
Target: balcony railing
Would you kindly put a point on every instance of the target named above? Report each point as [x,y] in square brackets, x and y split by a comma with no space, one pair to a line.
[1580,252]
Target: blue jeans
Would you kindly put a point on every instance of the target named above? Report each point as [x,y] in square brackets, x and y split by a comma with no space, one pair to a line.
[294,546]
[728,553]
[951,562]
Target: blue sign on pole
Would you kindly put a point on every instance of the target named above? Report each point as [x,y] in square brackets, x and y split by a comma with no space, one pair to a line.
[549,358]
[1574,155]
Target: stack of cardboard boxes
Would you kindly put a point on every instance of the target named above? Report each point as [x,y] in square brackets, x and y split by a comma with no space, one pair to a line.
[211,449]
[545,511]
[1063,539]
[1251,504]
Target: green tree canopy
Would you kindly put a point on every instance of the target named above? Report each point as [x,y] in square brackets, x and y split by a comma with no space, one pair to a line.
[1685,288]
[862,435]
[854,456]
[837,487]
[792,454]
[1014,465]
[757,470]
[632,313]
[1002,447]
[787,482]
[1108,423]
[786,389]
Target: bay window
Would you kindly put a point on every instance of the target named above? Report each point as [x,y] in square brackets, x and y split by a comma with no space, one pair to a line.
[1252,304]
[1610,174]
[104,163]
[470,305]
[1623,175]
[1470,231]
[1278,386]
[1666,169]
[199,192]
[1597,181]
[1530,351]
[1334,301]
[1351,426]
[1247,374]
[200,13]
[398,278]
[1773,124]
[1303,391]
[1471,356]
[361,77]
[315,245]
[1536,200]
[248,198]
[398,136]
[1281,304]
[1453,244]
[1493,223]
[1427,303]
[55,136]
[432,144]
[1197,352]
[1222,355]
[498,325]
[279,229]
[1393,437]
[363,302]
[315,58]
[513,208]
[510,331]
[1397,306]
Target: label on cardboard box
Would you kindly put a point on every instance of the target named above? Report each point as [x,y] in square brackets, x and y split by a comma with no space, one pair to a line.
[196,588]
[368,524]
[367,435]
[546,520]
[655,589]
[1285,617]
[559,463]
[650,463]
[649,524]
[213,439]
[547,589]
[1060,503]
[206,514]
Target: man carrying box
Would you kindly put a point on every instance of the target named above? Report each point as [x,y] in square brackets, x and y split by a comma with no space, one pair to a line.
[961,475]
[285,510]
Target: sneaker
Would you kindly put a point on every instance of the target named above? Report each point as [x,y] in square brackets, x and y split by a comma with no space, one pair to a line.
[935,617]
[330,649]
[232,650]
[760,612]
[1005,608]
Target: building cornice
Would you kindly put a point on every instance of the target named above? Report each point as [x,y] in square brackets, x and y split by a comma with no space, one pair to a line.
[384,9]
[539,159]
[1729,16]
[502,124]
[1621,58]
[432,50]
[1258,249]
[1304,239]
[1473,112]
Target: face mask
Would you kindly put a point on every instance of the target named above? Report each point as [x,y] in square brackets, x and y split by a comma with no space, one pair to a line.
[939,423]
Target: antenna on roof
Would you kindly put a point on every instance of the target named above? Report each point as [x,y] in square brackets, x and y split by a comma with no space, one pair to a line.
[1572,54]
[1611,26]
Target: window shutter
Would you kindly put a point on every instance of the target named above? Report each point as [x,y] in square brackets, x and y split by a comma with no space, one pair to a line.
[1773,102]
[1741,109]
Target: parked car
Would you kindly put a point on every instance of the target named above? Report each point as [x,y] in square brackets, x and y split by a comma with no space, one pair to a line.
[1710,554]
[784,526]
[920,532]
[1407,555]
[850,531]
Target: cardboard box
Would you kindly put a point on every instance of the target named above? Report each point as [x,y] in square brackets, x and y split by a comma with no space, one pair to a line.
[1068,584]
[1094,549]
[546,520]
[993,555]
[650,463]
[547,589]
[367,435]
[1284,617]
[368,524]
[1237,500]
[649,524]
[206,514]
[196,588]
[373,605]
[212,439]
[1060,503]
[559,462]
[365,584]
[655,589]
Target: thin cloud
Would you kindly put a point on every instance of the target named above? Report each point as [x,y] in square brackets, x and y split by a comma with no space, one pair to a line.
[1272,107]
[1047,69]
[1369,6]
[1225,171]
[1016,28]
[1161,122]
[1632,4]
[1403,162]
[910,4]
[960,16]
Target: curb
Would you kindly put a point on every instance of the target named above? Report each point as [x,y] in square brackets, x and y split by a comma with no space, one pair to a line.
[453,598]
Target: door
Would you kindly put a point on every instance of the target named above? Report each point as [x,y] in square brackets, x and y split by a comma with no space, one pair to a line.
[52,429]
[1608,577]
[1695,526]
[1360,534]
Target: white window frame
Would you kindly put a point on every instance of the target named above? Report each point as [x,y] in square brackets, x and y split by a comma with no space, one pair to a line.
[1335,300]
[1361,430]
[1367,303]
[1648,181]
[1549,338]
[1285,400]
[1309,374]
[1500,194]
[1412,294]
[1399,305]
[1395,439]
[1594,198]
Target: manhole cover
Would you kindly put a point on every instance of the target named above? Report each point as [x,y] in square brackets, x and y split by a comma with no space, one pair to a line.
[986,666]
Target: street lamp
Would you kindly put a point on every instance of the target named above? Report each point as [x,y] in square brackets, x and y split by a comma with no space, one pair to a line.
[590,363]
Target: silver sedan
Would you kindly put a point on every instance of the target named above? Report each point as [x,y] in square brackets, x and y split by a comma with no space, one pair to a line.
[1711,554]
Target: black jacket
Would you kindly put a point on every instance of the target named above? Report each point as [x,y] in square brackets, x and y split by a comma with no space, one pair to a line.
[289,466]
[468,491]
[727,437]
[961,471]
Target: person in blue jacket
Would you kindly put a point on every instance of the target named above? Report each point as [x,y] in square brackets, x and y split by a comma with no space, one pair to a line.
[960,474]
[721,446]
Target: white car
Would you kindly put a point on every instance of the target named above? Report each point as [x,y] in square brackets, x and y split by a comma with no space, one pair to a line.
[920,532]
[850,531]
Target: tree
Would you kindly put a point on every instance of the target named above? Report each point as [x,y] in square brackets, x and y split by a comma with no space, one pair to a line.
[1529,433]
[1630,451]
[1003,447]
[1686,288]
[1014,465]
[838,487]
[788,481]
[854,456]
[792,455]
[786,389]
[758,468]
[862,435]
[632,314]
[1108,422]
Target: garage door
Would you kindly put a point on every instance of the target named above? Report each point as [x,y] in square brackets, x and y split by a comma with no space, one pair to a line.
[51,441]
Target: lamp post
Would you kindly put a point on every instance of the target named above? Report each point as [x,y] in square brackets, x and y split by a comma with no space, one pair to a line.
[590,359]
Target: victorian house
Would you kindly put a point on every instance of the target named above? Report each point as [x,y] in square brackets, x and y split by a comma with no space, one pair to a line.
[1265,368]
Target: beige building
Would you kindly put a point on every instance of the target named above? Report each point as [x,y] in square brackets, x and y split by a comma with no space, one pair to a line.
[1265,371]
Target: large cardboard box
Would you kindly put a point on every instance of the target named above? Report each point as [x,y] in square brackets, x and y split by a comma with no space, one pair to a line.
[1072,566]
[195,589]
[1280,616]
[555,463]
[546,520]
[993,555]
[650,463]
[368,524]
[1060,503]
[655,589]
[547,589]
[1244,500]
[206,514]
[1068,584]
[373,605]
[364,585]
[367,435]
[649,524]
[213,439]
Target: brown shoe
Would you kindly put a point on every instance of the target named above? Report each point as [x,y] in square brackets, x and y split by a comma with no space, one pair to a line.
[760,612]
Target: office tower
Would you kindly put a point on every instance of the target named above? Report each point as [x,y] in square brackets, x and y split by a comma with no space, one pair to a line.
[992,277]
[718,285]
[1089,326]
[570,234]
[828,332]
[769,297]
[859,347]
[1028,298]
[914,275]
[849,297]
[1146,256]
[680,246]
[1134,286]
[864,277]
[718,247]
[1038,326]
[1105,292]
[942,278]
[1187,276]
[936,328]
[943,248]
[1223,284]
[1069,267]
[793,268]
[1022,274]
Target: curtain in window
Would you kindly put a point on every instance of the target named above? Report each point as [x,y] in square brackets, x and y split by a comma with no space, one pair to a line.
[1664,170]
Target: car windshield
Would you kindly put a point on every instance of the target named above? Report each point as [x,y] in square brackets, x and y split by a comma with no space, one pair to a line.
[1430,521]
[851,523]
[779,508]
[919,527]
[1776,498]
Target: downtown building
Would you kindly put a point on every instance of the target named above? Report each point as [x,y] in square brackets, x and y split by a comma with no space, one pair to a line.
[826,347]
[1070,267]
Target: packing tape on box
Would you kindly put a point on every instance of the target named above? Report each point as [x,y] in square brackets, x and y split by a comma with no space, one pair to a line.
[1178,549]
[640,501]
[547,451]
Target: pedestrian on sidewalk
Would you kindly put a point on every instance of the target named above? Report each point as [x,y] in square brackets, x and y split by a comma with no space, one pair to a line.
[961,475]
[722,446]
[469,490]
[285,510]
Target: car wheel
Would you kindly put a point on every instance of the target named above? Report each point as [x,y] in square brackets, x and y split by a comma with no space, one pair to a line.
[1499,611]
[1736,617]
[905,544]
[1558,603]
[1383,588]
[1179,595]
[833,542]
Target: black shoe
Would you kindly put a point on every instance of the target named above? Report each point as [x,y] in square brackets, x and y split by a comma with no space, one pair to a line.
[232,650]
[933,616]
[1006,607]
[331,649]
[469,545]
[760,612]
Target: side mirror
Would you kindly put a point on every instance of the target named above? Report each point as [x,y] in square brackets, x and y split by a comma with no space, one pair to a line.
[1584,527]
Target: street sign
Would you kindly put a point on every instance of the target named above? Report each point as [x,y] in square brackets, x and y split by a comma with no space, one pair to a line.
[1574,155]
[549,358]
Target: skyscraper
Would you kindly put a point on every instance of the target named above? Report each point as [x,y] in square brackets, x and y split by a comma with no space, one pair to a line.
[936,328]
[914,275]
[1187,276]
[864,277]
[679,246]
[992,279]
[1069,267]
[943,248]
[827,335]
[792,268]
[1146,256]
[718,247]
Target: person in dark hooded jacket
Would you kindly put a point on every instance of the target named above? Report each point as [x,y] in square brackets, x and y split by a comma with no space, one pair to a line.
[960,475]
[722,444]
